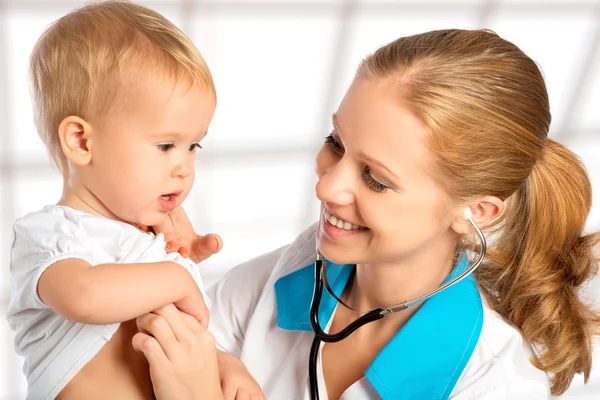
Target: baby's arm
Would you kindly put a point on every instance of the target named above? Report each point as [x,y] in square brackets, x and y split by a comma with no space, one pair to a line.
[111,293]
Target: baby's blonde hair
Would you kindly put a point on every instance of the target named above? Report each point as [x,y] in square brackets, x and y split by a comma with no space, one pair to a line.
[81,63]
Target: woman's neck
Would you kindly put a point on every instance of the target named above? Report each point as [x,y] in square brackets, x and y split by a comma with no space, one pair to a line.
[384,285]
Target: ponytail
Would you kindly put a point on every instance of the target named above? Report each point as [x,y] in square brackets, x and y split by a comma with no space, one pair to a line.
[539,261]
[485,110]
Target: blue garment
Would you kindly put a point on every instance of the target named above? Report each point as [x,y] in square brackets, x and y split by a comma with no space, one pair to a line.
[425,359]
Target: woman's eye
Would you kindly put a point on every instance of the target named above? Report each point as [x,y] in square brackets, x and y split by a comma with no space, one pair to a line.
[166,147]
[195,146]
[333,143]
[372,182]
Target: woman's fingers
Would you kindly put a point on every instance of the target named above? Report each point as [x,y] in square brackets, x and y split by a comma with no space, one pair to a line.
[150,347]
[176,332]
[192,324]
[202,340]
[174,319]
[162,332]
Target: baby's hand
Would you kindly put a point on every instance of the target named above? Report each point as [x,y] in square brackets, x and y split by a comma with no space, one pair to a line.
[180,236]
[194,305]
[236,381]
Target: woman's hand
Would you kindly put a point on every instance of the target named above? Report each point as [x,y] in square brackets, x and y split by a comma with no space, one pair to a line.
[181,353]
[180,236]
[236,381]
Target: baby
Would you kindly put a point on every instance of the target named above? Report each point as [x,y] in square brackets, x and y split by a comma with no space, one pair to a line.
[122,99]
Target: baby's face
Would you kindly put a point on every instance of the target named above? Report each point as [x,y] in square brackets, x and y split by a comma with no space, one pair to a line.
[143,156]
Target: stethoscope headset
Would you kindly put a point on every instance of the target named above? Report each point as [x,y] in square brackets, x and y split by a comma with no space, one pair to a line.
[370,316]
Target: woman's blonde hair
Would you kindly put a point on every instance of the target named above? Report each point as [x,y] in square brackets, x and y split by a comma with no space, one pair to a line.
[485,109]
[83,61]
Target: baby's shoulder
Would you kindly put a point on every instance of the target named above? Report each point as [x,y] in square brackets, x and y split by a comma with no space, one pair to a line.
[47,222]
[58,230]
[58,220]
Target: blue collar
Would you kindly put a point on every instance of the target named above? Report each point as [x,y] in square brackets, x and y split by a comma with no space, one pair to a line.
[425,358]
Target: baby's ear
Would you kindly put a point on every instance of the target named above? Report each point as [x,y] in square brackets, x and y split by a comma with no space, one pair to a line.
[75,140]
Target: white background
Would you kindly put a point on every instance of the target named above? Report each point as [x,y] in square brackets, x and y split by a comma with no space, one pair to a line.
[280,68]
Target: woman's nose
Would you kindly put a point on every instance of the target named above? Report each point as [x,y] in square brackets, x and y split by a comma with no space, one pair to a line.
[336,182]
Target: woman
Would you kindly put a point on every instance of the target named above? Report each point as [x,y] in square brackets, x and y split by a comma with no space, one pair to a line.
[432,124]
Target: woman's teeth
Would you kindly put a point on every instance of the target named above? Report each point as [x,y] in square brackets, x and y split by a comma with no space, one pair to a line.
[340,223]
[166,197]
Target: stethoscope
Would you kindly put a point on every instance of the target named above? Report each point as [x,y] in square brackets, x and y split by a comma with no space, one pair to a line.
[373,315]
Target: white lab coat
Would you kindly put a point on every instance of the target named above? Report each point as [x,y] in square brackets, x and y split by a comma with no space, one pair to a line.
[452,347]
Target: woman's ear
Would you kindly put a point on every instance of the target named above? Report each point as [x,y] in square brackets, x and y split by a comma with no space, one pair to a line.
[482,212]
[75,139]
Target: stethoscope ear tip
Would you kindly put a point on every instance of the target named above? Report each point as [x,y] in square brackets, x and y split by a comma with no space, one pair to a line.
[468,214]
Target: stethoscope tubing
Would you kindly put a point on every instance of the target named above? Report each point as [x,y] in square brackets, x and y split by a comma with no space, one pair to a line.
[373,315]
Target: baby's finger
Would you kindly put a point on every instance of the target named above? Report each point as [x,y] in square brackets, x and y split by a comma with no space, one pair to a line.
[185,253]
[166,227]
[179,218]
[205,246]
[203,317]
[229,389]
[213,242]
[243,395]
[171,245]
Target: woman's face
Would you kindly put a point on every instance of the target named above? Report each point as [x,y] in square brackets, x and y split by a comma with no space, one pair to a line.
[373,183]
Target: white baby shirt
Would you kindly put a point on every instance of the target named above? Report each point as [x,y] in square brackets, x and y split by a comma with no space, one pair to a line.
[55,349]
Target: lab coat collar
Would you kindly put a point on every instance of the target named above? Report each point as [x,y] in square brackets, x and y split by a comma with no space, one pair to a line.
[425,358]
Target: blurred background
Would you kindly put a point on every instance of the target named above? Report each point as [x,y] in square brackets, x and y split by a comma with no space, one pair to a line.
[280,68]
